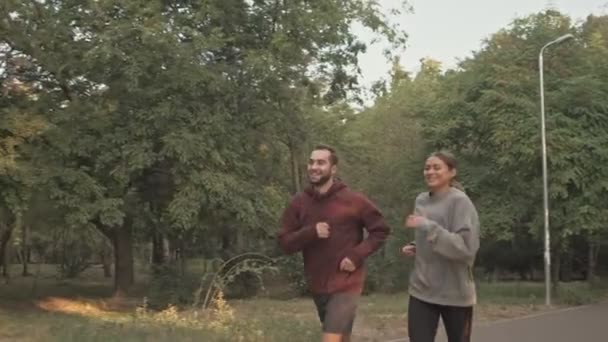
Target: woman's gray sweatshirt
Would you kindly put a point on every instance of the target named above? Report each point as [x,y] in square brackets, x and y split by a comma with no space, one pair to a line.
[446,245]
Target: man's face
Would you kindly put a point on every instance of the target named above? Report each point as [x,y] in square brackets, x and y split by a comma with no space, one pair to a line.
[320,168]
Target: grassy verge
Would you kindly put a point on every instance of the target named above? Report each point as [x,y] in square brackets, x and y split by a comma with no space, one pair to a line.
[78,310]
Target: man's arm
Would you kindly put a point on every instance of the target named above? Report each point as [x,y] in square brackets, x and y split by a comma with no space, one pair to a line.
[292,236]
[376,227]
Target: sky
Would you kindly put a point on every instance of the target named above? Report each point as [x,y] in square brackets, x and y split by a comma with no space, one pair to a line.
[449,30]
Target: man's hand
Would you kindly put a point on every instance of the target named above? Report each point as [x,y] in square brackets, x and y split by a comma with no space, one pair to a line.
[409,250]
[414,221]
[322,230]
[347,265]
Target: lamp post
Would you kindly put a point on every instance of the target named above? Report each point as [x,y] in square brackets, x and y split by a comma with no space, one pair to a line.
[547,254]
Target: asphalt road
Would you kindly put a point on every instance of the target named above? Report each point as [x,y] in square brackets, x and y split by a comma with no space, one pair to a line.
[579,324]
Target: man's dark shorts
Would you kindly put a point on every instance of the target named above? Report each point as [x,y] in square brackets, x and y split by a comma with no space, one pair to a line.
[337,312]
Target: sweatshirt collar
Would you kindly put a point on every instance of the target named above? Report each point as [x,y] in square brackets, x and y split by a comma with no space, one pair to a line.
[435,196]
[337,186]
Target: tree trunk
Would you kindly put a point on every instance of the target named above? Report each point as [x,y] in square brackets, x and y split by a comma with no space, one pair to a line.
[179,254]
[159,255]
[566,269]
[241,240]
[523,274]
[593,250]
[167,248]
[295,170]
[106,260]
[122,241]
[25,250]
[124,276]
[5,237]
[226,244]
[7,225]
[107,266]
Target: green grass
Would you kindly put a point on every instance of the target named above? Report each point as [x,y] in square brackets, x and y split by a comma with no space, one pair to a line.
[23,322]
[60,327]
[533,293]
[23,319]
[84,316]
[42,326]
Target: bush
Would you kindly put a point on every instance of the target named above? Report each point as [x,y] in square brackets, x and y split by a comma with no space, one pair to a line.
[574,296]
[388,270]
[242,275]
[291,268]
[580,293]
[170,286]
[74,257]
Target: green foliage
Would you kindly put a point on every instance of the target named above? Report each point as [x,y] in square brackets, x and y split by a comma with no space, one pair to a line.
[574,296]
[189,122]
[486,112]
[74,259]
[74,250]
[389,270]
[489,117]
[170,286]
[236,276]
[154,112]
[291,267]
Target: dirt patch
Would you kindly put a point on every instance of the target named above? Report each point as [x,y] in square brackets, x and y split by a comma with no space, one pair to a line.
[86,307]
[73,306]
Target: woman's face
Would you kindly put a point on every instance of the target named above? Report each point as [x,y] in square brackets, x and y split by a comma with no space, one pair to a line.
[437,174]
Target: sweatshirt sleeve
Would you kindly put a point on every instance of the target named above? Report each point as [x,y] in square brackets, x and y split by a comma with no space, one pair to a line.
[462,241]
[292,236]
[378,232]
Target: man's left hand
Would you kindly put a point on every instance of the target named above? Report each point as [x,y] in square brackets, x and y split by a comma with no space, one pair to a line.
[414,221]
[347,265]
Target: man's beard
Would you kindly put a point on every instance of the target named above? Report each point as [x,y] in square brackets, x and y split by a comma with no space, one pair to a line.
[321,181]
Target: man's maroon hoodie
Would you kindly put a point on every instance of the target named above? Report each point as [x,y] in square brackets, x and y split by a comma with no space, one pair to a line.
[347,213]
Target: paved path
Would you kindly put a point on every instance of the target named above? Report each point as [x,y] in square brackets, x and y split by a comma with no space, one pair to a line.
[579,324]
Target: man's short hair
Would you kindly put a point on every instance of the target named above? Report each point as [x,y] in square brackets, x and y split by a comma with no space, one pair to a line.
[333,156]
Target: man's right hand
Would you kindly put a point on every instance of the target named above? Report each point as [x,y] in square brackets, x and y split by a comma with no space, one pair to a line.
[409,250]
[322,230]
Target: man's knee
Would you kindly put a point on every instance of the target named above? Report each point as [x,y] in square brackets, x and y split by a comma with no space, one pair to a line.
[329,337]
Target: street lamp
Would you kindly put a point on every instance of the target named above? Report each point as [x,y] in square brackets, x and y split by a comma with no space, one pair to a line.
[545,181]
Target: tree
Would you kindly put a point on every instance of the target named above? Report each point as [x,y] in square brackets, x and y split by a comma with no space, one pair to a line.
[18,125]
[489,116]
[153,106]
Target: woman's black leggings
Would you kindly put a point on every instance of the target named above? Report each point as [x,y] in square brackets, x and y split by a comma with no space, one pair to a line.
[423,319]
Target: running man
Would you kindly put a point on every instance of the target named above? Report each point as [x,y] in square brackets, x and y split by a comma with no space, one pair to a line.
[325,222]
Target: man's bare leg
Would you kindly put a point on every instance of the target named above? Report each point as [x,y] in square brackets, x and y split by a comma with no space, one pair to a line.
[335,338]
[338,316]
